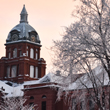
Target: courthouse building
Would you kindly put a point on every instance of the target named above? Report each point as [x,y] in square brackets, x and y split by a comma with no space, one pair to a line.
[23,72]
[22,66]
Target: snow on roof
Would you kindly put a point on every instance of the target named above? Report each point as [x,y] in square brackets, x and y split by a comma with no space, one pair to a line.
[99,74]
[23,28]
[16,89]
[10,90]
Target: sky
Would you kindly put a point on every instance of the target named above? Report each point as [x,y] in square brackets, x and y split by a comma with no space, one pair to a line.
[47,17]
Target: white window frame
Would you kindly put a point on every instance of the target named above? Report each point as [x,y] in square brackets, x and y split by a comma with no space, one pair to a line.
[9,55]
[31,53]
[36,56]
[14,71]
[14,52]
[27,52]
[31,71]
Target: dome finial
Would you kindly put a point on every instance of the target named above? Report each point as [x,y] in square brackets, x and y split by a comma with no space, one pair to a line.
[23,15]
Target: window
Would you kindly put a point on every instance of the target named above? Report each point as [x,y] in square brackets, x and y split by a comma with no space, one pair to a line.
[9,49]
[14,71]
[15,53]
[91,105]
[43,97]
[20,53]
[8,71]
[44,105]
[32,71]
[31,53]
[9,55]
[31,97]
[36,73]
[36,56]
[27,52]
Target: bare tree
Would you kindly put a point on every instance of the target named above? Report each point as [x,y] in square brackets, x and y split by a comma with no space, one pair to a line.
[88,38]
[86,45]
[14,103]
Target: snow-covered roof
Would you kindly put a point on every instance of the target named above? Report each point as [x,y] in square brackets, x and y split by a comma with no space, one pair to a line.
[23,30]
[15,90]
[12,91]
[100,77]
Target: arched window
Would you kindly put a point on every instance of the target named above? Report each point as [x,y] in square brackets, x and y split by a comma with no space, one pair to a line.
[20,53]
[44,96]
[14,71]
[8,71]
[27,50]
[31,53]
[9,55]
[36,56]
[15,53]
[31,71]
[31,97]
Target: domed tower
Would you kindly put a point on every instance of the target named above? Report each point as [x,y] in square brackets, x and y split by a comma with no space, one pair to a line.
[22,61]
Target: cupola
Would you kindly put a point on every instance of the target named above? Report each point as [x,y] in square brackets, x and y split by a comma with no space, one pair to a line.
[23,32]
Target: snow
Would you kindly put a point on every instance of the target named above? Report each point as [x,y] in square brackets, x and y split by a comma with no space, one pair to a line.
[16,89]
[23,41]
[23,28]
[12,91]
[99,73]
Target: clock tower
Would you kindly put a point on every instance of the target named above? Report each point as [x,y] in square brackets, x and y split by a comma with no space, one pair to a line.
[22,61]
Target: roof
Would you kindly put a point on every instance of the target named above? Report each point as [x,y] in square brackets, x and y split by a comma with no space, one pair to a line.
[15,90]
[24,10]
[23,31]
[99,74]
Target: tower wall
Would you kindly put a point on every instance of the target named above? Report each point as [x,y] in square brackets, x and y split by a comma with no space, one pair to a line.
[22,61]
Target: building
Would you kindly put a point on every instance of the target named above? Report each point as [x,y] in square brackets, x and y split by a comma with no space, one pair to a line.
[22,73]
[23,66]
[22,61]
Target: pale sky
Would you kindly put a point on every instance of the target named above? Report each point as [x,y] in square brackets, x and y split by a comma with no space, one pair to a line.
[47,17]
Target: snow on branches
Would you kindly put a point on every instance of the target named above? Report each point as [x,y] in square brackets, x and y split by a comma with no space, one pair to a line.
[85,45]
